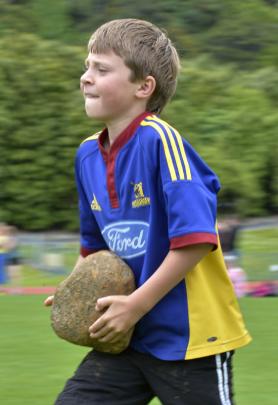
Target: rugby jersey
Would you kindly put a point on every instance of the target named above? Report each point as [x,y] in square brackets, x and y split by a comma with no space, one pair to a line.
[151,192]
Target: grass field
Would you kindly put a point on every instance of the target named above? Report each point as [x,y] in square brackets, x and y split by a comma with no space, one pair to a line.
[35,363]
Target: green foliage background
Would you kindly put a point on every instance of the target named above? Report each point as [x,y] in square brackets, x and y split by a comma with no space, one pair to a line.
[226,103]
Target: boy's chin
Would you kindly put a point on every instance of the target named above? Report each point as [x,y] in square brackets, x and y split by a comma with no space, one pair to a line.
[92,114]
[97,117]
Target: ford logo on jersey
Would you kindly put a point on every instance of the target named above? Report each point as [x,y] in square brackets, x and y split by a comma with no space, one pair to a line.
[127,238]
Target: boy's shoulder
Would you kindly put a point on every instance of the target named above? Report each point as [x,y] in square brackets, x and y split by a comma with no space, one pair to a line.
[158,128]
[89,145]
[155,130]
[163,143]
[92,138]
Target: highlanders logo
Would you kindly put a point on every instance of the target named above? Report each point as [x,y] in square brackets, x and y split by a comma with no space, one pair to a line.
[95,205]
[140,199]
[127,238]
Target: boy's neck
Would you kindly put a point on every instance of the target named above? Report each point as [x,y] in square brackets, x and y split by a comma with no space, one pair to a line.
[116,126]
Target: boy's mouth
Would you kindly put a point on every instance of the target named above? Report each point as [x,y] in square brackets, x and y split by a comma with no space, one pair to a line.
[89,95]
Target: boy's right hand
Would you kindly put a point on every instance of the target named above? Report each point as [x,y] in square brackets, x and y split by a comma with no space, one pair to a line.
[49,301]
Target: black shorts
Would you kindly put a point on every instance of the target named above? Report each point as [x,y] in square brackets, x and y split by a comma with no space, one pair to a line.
[133,378]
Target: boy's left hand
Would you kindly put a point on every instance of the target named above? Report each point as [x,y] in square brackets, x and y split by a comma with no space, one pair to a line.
[120,316]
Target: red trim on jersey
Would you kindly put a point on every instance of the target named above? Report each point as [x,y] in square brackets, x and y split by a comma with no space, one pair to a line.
[110,155]
[194,239]
[86,252]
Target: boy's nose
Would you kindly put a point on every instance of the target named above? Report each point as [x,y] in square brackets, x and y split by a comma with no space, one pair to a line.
[86,78]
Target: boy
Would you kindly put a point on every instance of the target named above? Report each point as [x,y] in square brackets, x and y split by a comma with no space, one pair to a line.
[145,194]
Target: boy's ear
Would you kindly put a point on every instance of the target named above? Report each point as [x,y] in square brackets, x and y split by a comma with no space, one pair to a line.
[146,87]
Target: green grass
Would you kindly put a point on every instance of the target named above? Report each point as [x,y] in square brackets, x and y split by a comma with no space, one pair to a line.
[256,364]
[35,363]
[37,278]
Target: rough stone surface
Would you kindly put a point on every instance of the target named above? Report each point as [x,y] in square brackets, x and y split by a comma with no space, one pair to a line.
[73,310]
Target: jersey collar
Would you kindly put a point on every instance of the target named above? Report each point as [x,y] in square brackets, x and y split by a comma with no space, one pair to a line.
[123,137]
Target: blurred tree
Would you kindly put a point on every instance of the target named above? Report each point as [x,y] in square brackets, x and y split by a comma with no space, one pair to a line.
[52,16]
[42,122]
[244,31]
[15,17]
[226,102]
[231,120]
[232,31]
[272,2]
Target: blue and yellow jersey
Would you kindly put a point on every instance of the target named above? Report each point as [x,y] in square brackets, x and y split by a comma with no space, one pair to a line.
[151,192]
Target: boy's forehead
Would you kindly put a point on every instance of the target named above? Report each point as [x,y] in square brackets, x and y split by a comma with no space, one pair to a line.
[108,56]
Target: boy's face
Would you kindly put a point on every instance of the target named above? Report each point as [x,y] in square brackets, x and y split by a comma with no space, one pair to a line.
[108,92]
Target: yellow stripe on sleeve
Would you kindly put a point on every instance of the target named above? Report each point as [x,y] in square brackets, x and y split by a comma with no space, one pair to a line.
[180,146]
[174,147]
[183,154]
[165,146]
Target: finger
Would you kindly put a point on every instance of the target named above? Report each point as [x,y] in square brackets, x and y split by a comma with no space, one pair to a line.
[49,301]
[104,302]
[110,337]
[100,334]
[98,325]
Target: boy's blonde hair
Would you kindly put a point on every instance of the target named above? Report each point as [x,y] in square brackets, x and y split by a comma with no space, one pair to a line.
[146,50]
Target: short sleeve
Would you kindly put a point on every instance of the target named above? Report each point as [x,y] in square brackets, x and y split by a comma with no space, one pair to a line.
[91,239]
[190,190]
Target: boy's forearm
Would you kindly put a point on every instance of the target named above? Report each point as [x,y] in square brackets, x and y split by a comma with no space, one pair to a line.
[172,270]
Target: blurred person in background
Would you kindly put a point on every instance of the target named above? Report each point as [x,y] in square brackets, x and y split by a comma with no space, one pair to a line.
[237,275]
[228,231]
[13,263]
[3,253]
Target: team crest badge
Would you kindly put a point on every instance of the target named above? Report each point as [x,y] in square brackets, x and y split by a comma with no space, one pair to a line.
[95,205]
[140,199]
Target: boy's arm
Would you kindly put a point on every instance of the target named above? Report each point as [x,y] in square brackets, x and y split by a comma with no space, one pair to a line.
[124,311]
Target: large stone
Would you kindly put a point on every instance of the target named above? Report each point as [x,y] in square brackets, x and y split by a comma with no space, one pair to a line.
[73,310]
